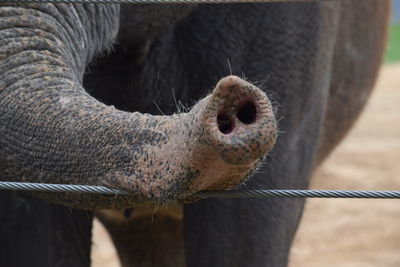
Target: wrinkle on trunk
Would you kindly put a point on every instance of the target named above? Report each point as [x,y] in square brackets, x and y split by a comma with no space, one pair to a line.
[55,132]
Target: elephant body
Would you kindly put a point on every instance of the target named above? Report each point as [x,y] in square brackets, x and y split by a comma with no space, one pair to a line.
[316,61]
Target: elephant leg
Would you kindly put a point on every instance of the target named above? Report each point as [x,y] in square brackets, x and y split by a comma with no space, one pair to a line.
[358,56]
[292,43]
[34,232]
[146,237]
[301,49]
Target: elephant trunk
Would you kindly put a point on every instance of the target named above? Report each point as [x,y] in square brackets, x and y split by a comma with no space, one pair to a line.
[52,131]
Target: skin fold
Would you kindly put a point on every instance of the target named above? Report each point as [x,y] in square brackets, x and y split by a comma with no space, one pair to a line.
[78,85]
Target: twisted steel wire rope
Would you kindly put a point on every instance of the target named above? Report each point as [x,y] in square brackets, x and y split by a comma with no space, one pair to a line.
[90,189]
[154,1]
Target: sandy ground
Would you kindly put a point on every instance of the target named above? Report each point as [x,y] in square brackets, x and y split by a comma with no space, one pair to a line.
[343,233]
[358,232]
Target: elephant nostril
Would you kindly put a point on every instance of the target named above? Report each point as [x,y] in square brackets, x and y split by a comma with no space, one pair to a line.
[225,123]
[247,112]
[128,213]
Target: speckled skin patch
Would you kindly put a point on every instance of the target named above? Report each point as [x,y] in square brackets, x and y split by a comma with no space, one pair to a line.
[185,153]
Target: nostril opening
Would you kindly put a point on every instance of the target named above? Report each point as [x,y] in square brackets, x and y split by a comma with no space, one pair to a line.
[225,123]
[247,112]
[128,213]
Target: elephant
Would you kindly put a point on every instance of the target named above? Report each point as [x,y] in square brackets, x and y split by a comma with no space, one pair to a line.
[98,94]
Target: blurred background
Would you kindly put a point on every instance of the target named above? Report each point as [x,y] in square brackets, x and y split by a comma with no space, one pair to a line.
[341,232]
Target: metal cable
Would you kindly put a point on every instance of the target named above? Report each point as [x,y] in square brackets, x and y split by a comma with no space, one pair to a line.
[301,194]
[154,1]
[86,189]
[90,189]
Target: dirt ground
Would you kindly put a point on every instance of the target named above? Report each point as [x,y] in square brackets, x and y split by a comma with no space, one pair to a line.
[343,233]
[358,232]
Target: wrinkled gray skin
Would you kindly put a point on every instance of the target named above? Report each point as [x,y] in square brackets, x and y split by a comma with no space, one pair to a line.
[321,60]
[56,132]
